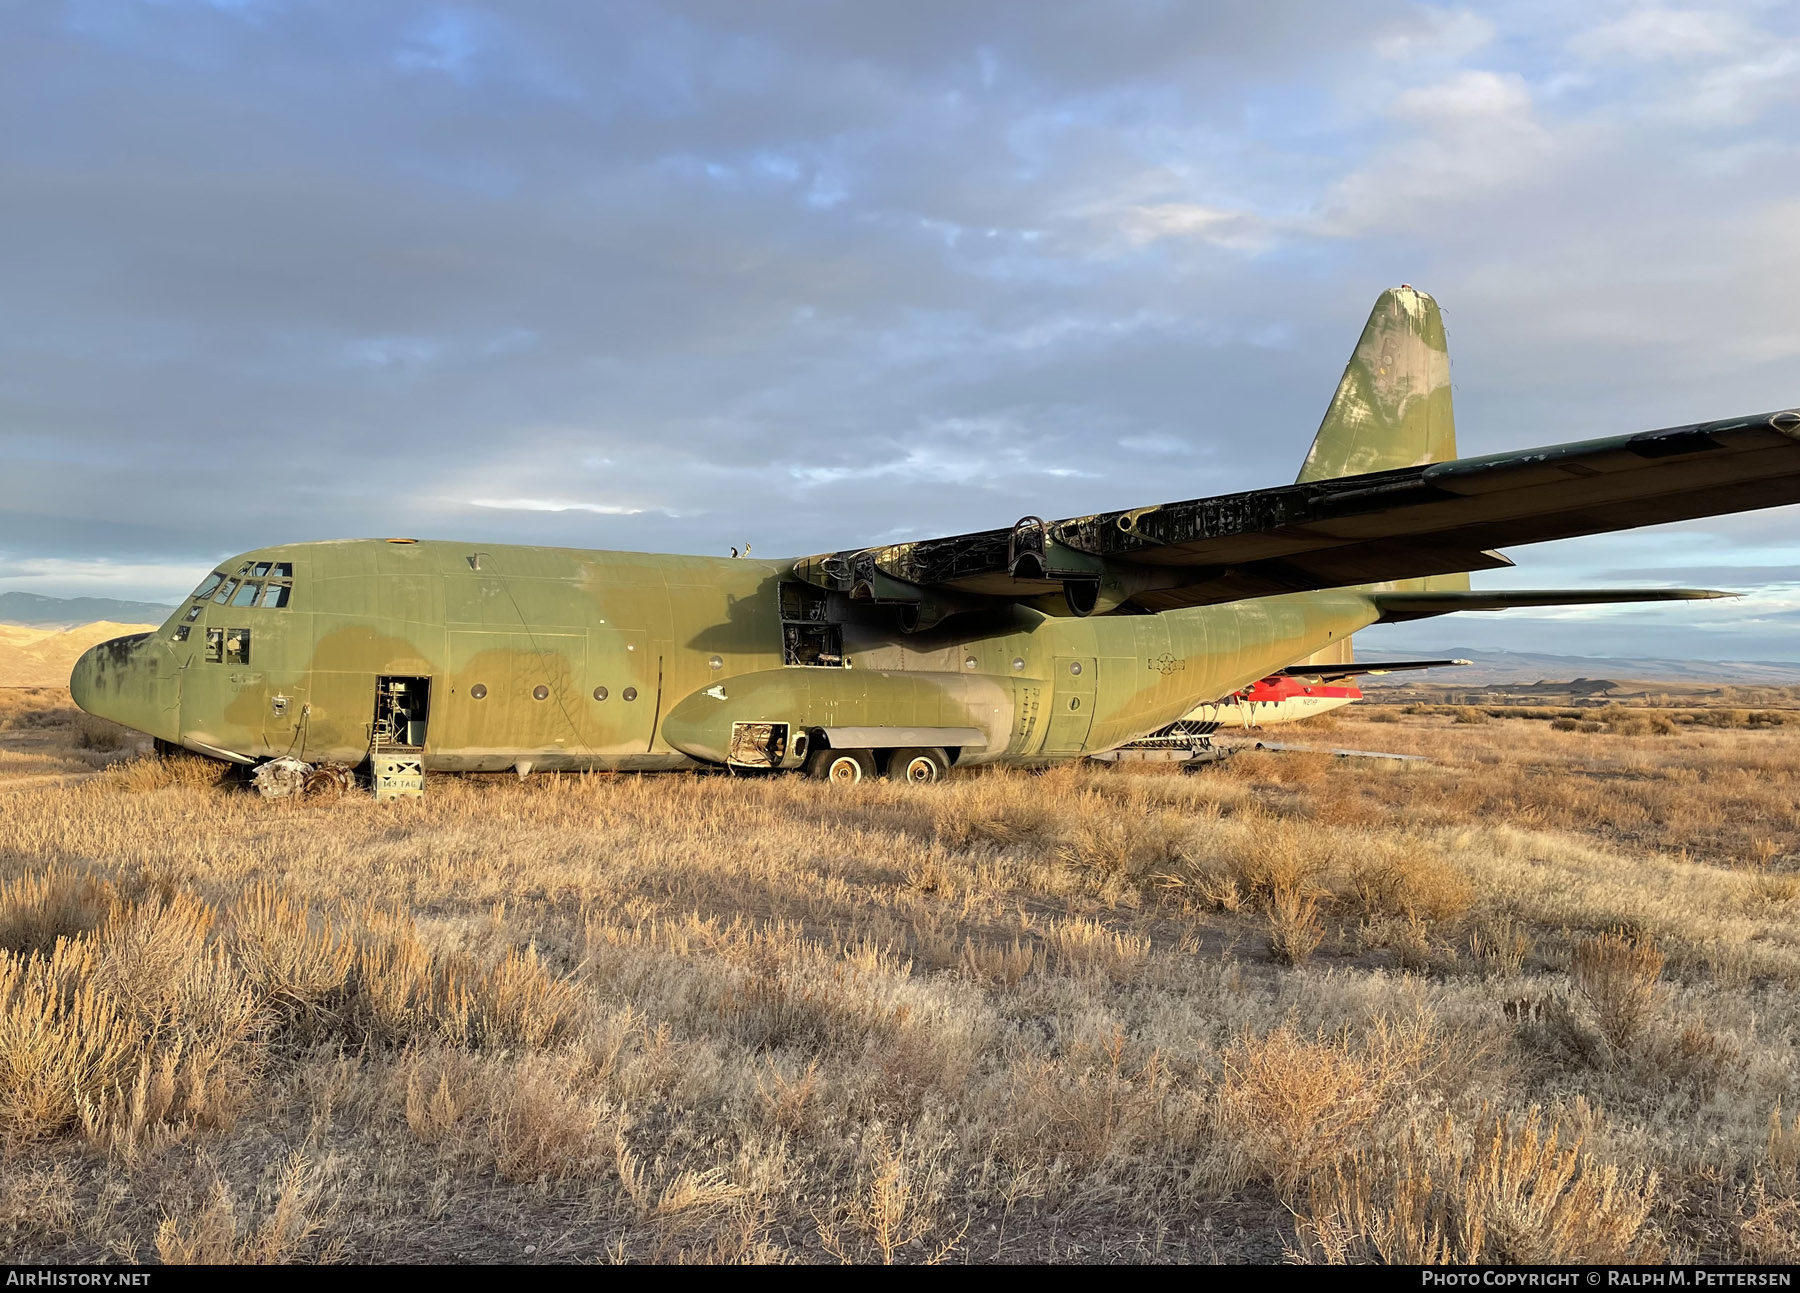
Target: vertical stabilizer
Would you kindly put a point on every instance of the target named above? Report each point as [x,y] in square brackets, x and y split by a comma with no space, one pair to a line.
[1392,408]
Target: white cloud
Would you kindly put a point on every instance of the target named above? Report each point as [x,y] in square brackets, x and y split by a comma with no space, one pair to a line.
[1706,66]
[1470,96]
[554,505]
[983,452]
[1657,32]
[131,581]
[1233,230]
[1157,443]
[1436,34]
[446,42]
[1743,90]
[1462,139]
[393,353]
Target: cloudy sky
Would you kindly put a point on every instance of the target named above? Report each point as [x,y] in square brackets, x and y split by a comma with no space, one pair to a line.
[807,275]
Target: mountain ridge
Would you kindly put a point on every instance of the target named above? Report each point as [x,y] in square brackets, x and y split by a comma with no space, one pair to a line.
[37,611]
[1491,666]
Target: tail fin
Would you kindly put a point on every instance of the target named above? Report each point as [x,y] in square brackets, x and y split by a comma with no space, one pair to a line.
[1392,408]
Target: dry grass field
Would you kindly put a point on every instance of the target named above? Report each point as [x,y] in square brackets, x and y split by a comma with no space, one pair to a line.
[1697,698]
[1535,1000]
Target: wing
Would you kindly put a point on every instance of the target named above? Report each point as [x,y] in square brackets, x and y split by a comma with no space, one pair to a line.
[1335,672]
[1407,523]
[1398,607]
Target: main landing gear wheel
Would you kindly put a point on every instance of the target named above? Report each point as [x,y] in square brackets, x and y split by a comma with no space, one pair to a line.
[920,767]
[845,767]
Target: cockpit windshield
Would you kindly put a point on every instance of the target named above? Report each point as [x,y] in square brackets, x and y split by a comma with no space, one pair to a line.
[265,584]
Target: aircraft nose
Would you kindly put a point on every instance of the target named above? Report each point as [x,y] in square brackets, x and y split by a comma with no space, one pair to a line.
[122,680]
[83,681]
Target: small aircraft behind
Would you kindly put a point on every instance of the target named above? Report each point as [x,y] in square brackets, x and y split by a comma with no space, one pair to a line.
[1289,695]
[1041,642]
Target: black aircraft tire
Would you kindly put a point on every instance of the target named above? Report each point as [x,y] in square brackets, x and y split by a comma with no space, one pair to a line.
[920,767]
[844,767]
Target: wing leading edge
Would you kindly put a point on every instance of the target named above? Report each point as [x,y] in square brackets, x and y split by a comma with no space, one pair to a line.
[1407,523]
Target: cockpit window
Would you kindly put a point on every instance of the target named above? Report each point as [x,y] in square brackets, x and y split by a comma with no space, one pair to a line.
[257,583]
[272,582]
[193,612]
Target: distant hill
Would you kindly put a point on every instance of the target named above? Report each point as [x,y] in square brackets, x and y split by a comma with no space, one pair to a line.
[41,657]
[67,612]
[1525,667]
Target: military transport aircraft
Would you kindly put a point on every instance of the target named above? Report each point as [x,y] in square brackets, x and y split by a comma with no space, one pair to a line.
[1045,641]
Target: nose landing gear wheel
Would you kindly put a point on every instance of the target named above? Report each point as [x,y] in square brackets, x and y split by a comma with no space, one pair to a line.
[844,767]
[919,767]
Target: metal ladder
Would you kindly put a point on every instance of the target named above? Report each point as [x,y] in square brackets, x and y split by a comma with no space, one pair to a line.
[396,768]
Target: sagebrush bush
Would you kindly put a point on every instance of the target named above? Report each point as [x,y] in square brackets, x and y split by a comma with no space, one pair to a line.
[1296,1104]
[58,902]
[1294,930]
[1409,880]
[157,1011]
[538,1128]
[63,1041]
[1504,1190]
[98,734]
[1616,974]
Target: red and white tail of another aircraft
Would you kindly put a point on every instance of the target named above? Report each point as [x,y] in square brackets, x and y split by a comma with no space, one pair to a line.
[1303,691]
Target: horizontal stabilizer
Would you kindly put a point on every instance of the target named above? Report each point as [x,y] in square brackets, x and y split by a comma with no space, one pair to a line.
[1397,607]
[1333,672]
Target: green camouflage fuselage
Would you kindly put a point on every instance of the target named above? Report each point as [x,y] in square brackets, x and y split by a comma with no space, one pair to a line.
[566,659]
